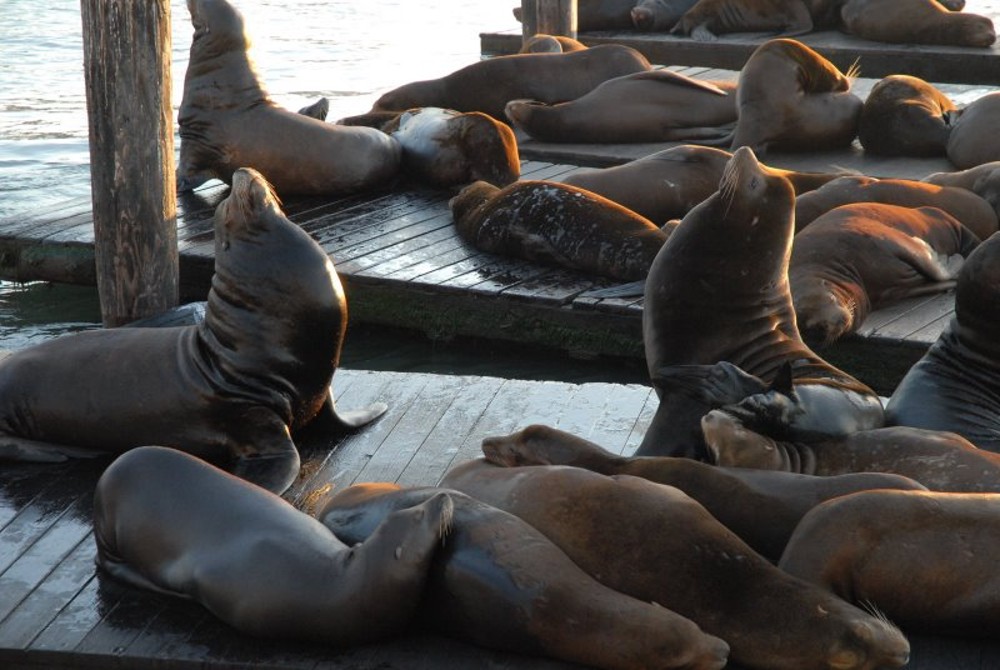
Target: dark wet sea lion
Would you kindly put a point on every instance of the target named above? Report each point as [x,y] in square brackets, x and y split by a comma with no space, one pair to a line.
[983,180]
[761,506]
[500,583]
[955,386]
[791,98]
[656,543]
[864,256]
[654,106]
[718,291]
[973,140]
[488,85]
[972,211]
[227,121]
[915,22]
[709,18]
[926,560]
[232,386]
[557,224]
[669,183]
[167,521]
[906,116]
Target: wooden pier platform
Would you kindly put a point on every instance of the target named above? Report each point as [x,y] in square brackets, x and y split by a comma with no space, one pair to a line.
[56,611]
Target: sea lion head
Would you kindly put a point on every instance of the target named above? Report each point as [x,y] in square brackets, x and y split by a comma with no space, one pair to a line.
[969,30]
[822,316]
[490,148]
[218,27]
[470,198]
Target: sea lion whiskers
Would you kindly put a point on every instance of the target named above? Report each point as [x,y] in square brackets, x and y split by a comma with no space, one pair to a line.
[873,609]
[854,71]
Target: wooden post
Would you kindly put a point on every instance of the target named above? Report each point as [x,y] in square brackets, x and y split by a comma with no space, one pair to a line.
[552,17]
[126,45]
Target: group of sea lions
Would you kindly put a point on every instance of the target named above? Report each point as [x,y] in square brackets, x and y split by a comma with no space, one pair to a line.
[769,515]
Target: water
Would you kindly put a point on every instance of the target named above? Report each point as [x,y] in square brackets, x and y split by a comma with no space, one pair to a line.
[345,50]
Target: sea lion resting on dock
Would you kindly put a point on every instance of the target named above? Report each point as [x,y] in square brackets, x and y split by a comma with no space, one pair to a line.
[228,121]
[557,224]
[656,543]
[971,211]
[654,106]
[169,522]
[955,386]
[926,560]
[983,180]
[761,506]
[718,291]
[488,85]
[906,116]
[625,14]
[540,43]
[973,140]
[556,609]
[233,386]
[864,256]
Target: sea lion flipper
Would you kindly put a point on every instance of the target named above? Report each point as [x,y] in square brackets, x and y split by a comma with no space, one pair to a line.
[128,574]
[271,470]
[318,110]
[634,289]
[329,419]
[31,451]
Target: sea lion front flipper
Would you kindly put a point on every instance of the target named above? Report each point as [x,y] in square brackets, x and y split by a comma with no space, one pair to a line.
[14,448]
[127,574]
[329,419]
[263,451]
[318,110]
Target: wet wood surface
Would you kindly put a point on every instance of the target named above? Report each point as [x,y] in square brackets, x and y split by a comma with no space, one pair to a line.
[57,611]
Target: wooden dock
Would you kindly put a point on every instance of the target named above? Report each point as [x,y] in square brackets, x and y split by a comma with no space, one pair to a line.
[56,611]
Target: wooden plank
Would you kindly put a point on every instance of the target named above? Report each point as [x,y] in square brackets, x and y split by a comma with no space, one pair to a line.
[912,320]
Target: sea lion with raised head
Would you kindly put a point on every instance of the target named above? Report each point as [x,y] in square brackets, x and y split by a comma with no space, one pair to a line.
[169,522]
[955,386]
[557,224]
[656,543]
[227,121]
[983,180]
[654,106]
[916,22]
[925,560]
[236,385]
[861,257]
[971,211]
[906,116]
[973,139]
[718,291]
[556,609]
[761,506]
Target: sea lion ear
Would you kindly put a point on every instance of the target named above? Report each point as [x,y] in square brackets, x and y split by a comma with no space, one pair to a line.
[783,381]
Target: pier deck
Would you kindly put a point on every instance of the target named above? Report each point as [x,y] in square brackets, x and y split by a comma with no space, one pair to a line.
[56,611]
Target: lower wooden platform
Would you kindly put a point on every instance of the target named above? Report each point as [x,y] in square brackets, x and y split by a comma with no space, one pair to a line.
[56,611]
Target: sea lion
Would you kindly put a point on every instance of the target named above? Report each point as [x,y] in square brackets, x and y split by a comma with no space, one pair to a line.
[655,543]
[706,19]
[562,225]
[915,22]
[955,386]
[227,121]
[669,183]
[718,291]
[906,116]
[444,148]
[972,211]
[488,85]
[556,609]
[973,140]
[235,385]
[654,106]
[791,98]
[926,560]
[540,43]
[761,506]
[864,256]
[983,180]
[659,15]
[167,521]
[742,436]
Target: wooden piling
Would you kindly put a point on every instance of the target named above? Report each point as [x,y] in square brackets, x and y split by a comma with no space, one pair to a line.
[127,72]
[552,17]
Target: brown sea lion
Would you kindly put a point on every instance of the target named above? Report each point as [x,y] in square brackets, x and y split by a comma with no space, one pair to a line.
[791,98]
[656,543]
[955,386]
[972,211]
[864,256]
[973,140]
[906,116]
[488,85]
[761,506]
[540,43]
[659,15]
[445,148]
[915,22]
[234,386]
[654,106]
[926,560]
[709,18]
[983,180]
[669,183]
[167,521]
[227,121]
[556,609]
[557,224]
[718,291]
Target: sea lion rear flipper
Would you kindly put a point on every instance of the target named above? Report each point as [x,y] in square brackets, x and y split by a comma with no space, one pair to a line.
[633,289]
[30,451]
